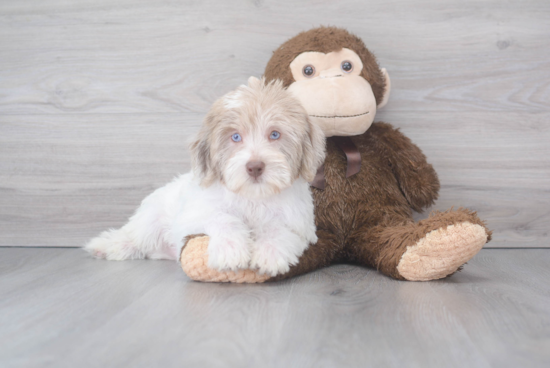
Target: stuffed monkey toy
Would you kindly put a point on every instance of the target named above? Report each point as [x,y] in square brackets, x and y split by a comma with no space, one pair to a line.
[372,178]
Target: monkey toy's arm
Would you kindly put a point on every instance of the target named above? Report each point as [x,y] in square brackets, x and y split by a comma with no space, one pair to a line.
[416,177]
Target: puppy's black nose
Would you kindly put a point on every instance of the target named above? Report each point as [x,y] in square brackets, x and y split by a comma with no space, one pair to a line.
[255,168]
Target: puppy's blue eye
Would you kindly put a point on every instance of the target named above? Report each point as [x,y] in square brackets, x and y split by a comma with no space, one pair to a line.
[236,137]
[274,135]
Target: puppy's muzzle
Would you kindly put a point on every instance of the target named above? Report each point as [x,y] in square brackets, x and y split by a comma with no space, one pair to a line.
[255,168]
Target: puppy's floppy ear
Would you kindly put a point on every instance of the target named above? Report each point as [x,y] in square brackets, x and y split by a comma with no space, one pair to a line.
[201,158]
[313,151]
[254,82]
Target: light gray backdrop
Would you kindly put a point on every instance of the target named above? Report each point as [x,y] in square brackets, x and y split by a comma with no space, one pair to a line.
[99,97]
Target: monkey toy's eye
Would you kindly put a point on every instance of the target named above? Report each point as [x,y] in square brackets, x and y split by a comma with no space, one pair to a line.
[236,137]
[308,70]
[274,135]
[347,66]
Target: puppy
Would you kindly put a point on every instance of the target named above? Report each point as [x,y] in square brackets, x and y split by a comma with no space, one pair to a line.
[248,189]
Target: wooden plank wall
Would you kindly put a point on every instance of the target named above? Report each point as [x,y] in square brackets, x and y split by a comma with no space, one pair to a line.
[99,97]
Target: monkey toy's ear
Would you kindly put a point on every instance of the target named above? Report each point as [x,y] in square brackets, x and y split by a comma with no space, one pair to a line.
[387,89]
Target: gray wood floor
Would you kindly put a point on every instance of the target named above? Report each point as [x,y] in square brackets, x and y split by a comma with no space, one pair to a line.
[60,308]
[98,97]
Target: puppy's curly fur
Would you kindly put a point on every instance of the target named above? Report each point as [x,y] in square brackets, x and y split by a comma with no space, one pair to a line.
[258,218]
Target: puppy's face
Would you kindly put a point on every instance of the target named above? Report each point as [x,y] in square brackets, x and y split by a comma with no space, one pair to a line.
[257,140]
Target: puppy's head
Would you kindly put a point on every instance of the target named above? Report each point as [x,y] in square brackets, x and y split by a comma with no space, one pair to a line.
[257,140]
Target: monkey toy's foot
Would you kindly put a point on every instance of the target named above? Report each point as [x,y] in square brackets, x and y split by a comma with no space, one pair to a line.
[441,252]
[194,261]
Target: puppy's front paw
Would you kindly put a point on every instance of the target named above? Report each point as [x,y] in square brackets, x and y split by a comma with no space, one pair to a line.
[228,253]
[270,260]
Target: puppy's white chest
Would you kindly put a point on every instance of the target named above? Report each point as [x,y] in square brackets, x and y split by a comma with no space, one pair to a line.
[257,215]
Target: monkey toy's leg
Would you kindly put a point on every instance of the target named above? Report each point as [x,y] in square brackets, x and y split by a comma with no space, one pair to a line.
[194,261]
[431,249]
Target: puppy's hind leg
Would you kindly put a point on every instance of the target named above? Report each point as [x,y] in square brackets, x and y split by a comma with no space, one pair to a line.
[145,235]
[114,245]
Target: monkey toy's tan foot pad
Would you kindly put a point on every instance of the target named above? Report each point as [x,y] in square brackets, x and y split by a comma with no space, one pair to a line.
[194,261]
[441,252]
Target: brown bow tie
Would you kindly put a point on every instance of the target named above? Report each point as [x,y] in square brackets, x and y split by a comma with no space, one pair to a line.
[353,158]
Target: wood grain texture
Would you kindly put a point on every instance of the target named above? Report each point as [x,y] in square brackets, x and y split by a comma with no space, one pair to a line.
[97,100]
[127,56]
[60,308]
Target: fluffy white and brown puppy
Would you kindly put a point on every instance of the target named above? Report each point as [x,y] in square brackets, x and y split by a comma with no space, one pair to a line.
[248,190]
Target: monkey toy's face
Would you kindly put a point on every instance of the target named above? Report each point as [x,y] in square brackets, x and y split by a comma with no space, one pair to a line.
[334,92]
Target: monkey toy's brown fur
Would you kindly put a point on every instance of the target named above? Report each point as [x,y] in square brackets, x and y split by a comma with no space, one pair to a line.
[366,219]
